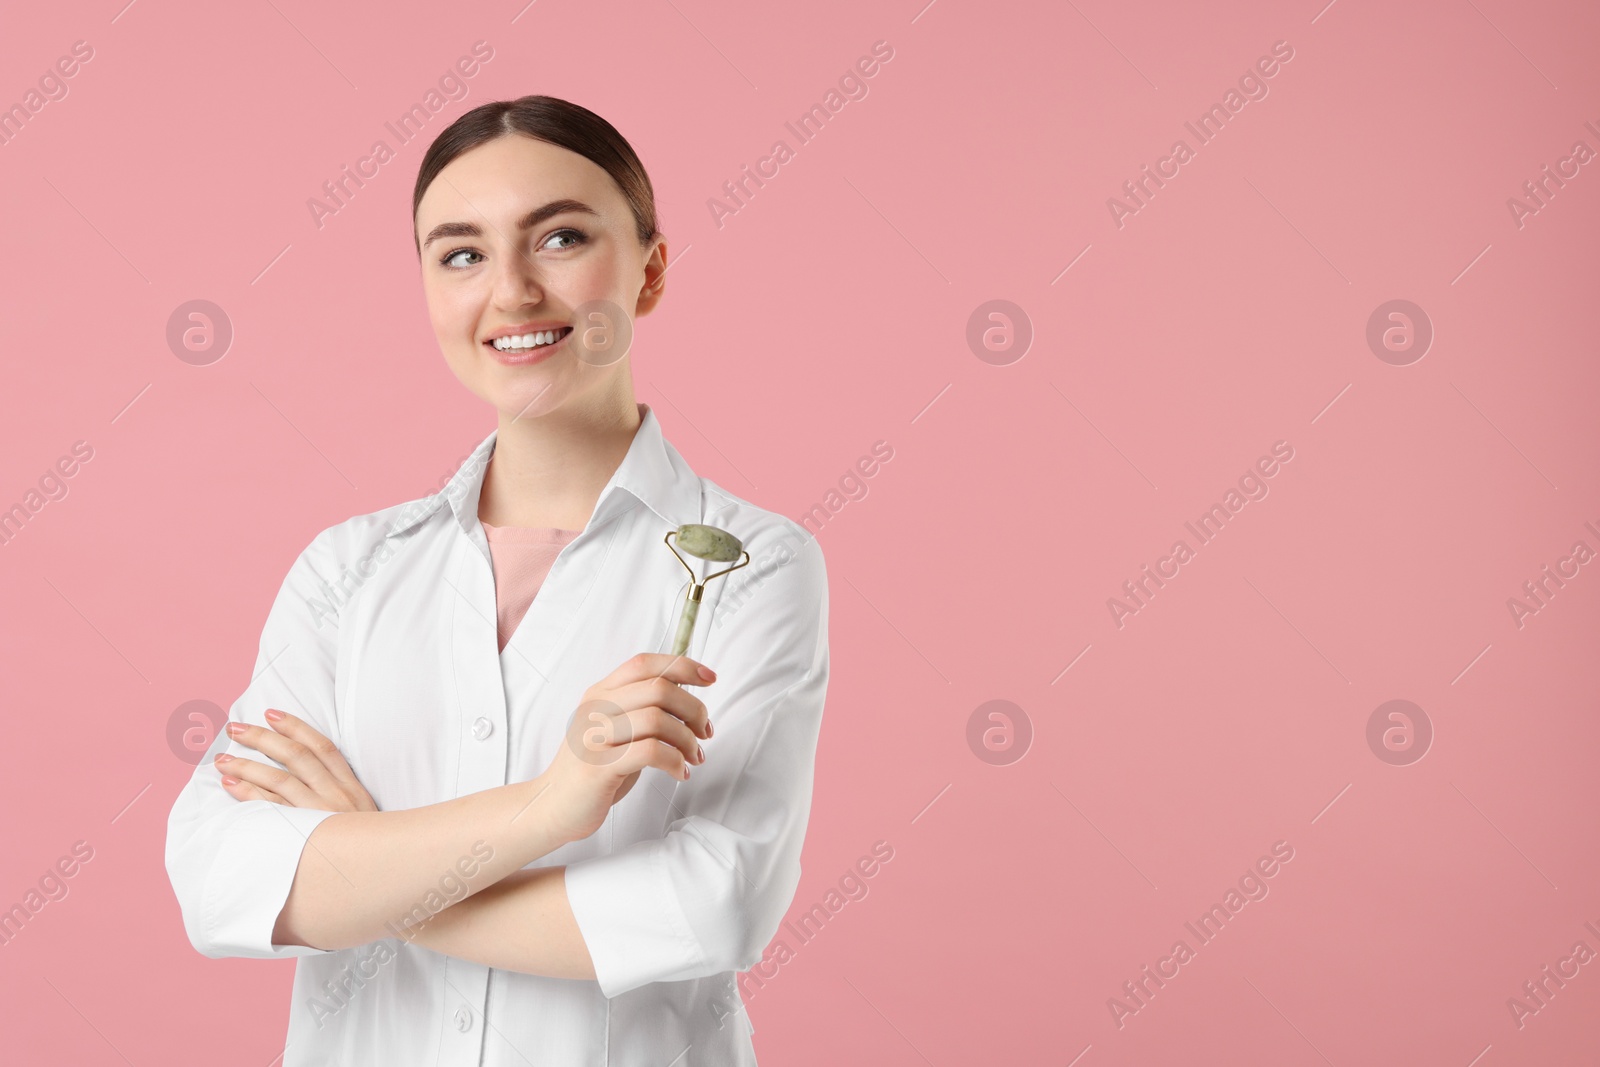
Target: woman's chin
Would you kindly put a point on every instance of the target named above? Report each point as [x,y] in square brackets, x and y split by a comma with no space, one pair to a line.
[531,407]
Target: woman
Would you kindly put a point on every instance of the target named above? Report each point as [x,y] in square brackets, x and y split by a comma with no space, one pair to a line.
[500,828]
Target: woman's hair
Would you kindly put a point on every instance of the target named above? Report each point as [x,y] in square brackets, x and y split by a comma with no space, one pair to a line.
[559,122]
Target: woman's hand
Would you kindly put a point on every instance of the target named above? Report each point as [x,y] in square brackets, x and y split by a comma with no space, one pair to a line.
[317,775]
[637,716]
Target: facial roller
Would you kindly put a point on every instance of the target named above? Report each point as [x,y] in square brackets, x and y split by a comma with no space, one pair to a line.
[714,546]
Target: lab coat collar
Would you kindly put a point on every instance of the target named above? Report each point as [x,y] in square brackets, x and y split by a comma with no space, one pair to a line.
[652,473]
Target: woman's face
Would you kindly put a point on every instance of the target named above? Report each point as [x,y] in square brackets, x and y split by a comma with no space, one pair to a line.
[517,235]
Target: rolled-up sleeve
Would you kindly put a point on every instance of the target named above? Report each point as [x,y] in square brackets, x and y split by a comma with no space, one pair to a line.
[232,863]
[708,896]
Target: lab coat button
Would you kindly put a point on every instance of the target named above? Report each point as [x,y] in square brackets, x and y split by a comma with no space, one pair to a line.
[482,729]
[463,1019]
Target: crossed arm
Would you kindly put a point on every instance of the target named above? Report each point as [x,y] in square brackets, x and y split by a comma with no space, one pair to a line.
[288,854]
[521,923]
[366,874]
[450,876]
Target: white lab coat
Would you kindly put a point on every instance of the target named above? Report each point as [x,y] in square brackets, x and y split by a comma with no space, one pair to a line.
[383,637]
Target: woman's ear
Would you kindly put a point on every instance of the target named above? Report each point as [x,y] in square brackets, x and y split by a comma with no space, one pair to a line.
[655,279]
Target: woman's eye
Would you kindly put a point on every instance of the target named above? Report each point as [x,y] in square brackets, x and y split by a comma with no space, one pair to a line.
[577,238]
[574,238]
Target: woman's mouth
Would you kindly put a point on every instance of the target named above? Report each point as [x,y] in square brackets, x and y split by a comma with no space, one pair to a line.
[522,349]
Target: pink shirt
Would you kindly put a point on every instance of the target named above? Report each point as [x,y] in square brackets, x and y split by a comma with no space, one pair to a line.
[522,558]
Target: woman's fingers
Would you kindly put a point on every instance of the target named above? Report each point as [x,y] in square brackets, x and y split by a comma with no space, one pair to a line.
[327,753]
[315,773]
[653,752]
[657,679]
[668,695]
[653,722]
[606,732]
[242,790]
[645,665]
[300,761]
[282,785]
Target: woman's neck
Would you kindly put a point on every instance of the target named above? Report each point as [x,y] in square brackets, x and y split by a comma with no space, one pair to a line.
[549,471]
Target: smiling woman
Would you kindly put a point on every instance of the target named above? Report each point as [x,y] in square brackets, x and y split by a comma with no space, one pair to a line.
[502,680]
[484,242]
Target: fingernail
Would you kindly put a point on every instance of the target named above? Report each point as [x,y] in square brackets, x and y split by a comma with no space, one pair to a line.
[710,728]
[224,758]
[708,674]
[699,754]
[236,728]
[229,780]
[686,774]
[274,714]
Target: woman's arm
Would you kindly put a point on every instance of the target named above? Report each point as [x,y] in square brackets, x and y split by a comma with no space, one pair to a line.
[521,923]
[366,875]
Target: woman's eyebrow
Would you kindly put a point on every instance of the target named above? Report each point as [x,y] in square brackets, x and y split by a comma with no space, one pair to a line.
[527,222]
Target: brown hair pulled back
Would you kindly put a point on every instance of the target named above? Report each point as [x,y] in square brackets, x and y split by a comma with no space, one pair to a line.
[559,122]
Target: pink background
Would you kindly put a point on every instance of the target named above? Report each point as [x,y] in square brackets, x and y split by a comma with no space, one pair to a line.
[830,313]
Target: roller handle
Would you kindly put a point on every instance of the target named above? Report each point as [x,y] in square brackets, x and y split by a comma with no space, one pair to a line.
[691,612]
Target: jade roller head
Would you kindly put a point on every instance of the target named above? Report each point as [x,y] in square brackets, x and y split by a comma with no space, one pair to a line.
[714,546]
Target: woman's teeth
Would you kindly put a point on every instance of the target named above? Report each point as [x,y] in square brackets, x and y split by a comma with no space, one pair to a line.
[529,340]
